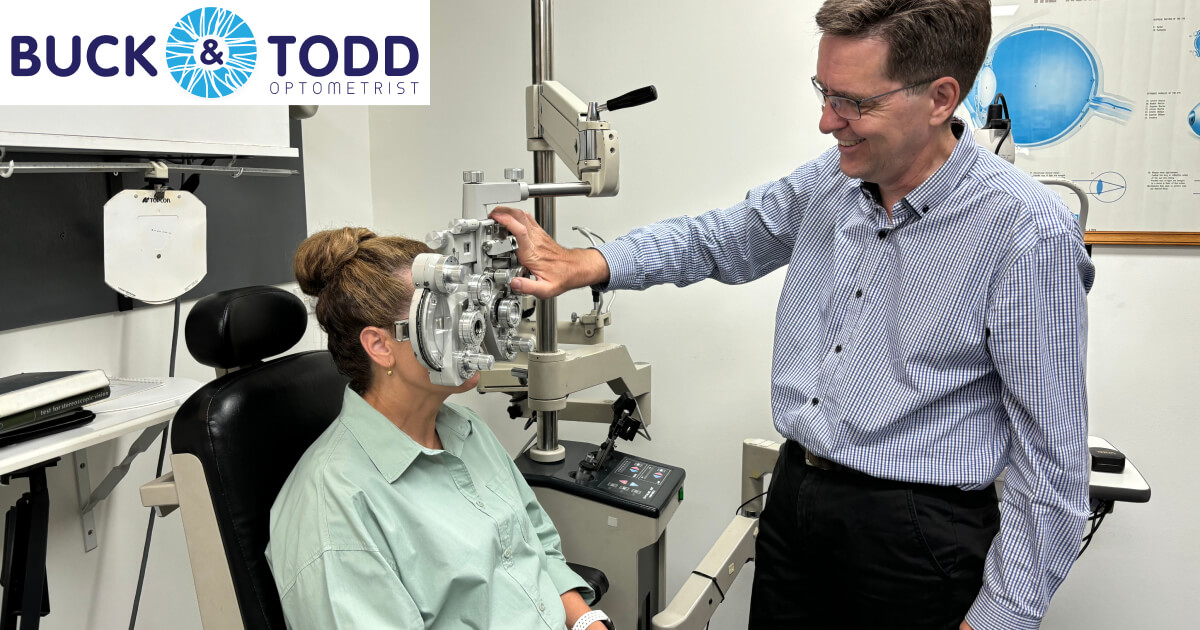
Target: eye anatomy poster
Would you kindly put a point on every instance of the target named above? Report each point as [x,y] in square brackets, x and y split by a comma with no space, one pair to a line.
[1105,93]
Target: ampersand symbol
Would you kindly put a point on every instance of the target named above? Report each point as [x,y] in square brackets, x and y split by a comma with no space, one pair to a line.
[210,54]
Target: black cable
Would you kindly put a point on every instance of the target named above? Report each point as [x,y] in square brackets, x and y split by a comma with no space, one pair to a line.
[739,508]
[715,584]
[1007,130]
[1096,519]
[162,455]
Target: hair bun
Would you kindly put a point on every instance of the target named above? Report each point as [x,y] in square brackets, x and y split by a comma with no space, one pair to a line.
[322,256]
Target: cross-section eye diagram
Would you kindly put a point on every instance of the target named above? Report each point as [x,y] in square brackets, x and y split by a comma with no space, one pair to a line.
[1052,80]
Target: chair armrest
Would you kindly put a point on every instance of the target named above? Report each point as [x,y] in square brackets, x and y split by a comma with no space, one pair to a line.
[160,494]
[595,579]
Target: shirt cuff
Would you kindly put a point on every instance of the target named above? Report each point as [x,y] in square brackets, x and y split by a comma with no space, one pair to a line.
[622,265]
[988,614]
[567,580]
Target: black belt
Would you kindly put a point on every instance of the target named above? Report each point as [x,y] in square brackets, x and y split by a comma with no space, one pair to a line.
[796,452]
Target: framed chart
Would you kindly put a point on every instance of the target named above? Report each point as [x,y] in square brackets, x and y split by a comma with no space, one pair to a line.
[1107,95]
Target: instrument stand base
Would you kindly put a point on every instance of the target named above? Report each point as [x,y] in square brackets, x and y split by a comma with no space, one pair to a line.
[548,456]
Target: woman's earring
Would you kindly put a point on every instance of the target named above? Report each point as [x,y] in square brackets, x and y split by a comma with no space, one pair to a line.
[389,372]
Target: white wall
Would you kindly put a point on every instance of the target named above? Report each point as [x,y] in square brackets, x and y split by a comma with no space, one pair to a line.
[95,590]
[736,110]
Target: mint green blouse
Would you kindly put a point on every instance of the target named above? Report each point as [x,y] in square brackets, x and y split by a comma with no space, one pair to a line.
[372,530]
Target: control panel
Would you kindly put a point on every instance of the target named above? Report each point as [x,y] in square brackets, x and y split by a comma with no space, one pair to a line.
[625,481]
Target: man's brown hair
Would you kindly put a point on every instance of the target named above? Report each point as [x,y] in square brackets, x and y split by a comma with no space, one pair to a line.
[927,39]
[359,280]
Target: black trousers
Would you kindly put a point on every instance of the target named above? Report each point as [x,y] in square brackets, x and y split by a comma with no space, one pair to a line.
[839,549]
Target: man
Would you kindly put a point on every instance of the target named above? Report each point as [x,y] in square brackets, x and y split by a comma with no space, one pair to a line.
[931,332]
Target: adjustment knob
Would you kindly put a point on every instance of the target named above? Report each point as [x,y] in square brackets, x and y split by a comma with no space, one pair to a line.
[509,313]
[435,239]
[472,177]
[480,289]
[471,328]
[453,274]
[514,174]
[473,362]
[500,277]
[521,344]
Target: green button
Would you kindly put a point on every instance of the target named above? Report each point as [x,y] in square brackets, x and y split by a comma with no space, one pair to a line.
[681,494]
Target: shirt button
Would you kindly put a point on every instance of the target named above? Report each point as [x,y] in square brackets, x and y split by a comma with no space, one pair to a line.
[508,553]
[858,293]
[883,234]
[815,402]
[837,348]
[541,607]
[479,503]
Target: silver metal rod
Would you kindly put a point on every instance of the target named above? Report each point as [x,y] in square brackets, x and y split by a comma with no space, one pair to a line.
[137,167]
[565,189]
[547,431]
[543,40]
[544,211]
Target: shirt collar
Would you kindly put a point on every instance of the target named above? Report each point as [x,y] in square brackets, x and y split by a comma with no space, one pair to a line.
[392,450]
[938,187]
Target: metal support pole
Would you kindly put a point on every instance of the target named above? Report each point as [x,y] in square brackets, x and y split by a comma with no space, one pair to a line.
[544,213]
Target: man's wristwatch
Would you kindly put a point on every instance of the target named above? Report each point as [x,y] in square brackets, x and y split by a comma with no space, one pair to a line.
[592,617]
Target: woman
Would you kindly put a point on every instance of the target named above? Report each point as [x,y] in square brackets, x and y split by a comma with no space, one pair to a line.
[406,512]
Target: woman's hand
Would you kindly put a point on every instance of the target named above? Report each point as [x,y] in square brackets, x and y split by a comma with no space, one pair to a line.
[576,608]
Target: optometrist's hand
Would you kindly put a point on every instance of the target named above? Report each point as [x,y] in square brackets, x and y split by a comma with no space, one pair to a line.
[965,626]
[555,269]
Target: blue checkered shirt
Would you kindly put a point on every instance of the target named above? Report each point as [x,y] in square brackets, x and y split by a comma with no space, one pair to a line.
[937,346]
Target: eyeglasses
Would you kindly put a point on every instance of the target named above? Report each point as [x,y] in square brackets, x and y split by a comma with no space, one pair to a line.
[849,108]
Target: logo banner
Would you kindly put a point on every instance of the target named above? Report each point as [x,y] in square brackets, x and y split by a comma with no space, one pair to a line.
[243,53]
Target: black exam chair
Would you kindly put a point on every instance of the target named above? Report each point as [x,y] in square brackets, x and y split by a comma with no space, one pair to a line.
[235,441]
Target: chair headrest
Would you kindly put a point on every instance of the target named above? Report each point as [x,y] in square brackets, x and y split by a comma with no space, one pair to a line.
[240,327]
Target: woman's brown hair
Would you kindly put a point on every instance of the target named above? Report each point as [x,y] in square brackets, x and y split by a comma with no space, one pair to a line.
[359,280]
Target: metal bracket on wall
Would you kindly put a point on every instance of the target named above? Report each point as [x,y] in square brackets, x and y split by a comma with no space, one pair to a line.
[89,498]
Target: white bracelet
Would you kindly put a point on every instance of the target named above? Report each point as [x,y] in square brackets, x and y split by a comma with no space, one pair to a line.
[590,618]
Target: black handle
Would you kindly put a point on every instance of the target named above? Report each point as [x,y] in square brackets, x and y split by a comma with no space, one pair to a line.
[640,96]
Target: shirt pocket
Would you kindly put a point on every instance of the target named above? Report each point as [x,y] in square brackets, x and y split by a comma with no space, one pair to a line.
[513,517]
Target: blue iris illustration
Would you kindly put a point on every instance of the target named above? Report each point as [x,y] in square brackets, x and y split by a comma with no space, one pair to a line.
[1194,119]
[211,52]
[1051,79]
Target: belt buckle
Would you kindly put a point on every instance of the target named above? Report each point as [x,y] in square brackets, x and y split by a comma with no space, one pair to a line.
[817,462]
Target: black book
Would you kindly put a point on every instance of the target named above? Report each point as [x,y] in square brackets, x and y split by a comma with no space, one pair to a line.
[35,397]
[52,411]
[61,422]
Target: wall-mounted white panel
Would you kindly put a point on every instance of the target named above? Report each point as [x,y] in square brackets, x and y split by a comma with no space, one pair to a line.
[208,130]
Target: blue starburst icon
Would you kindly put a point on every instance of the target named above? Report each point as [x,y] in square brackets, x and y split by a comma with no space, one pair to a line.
[211,52]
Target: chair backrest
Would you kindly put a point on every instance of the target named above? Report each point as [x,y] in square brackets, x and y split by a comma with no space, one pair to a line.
[249,427]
